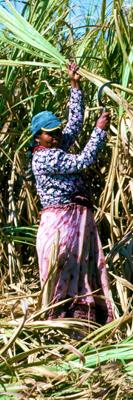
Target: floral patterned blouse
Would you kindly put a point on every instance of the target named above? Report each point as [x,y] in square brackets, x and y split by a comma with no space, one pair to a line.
[58,173]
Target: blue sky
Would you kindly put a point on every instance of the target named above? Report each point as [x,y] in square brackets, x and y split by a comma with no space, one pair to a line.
[17,3]
[79,8]
[83,8]
[78,5]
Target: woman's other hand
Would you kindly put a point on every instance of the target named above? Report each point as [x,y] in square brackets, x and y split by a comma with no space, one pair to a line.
[103,121]
[74,76]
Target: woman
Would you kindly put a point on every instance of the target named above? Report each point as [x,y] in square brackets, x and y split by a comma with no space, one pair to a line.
[66,209]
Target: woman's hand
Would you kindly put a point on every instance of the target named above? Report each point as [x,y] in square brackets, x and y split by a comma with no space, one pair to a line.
[74,76]
[103,121]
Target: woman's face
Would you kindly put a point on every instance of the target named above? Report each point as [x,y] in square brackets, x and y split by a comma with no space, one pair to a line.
[50,140]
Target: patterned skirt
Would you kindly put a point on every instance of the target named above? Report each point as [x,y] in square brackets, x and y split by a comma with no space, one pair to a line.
[71,233]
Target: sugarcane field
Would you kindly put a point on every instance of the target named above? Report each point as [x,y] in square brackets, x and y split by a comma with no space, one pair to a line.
[66,200]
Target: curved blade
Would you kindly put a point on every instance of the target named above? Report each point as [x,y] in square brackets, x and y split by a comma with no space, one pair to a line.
[99,95]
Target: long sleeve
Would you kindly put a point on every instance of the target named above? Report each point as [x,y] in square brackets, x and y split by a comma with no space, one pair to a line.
[56,161]
[75,119]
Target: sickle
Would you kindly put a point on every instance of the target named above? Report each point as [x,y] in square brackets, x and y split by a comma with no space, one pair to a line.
[99,95]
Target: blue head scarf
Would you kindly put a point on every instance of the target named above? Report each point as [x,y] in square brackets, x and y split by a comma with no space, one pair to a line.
[45,120]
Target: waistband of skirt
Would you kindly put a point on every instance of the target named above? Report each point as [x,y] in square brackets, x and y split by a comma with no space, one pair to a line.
[64,206]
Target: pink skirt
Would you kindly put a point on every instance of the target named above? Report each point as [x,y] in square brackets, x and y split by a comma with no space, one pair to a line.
[81,267]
